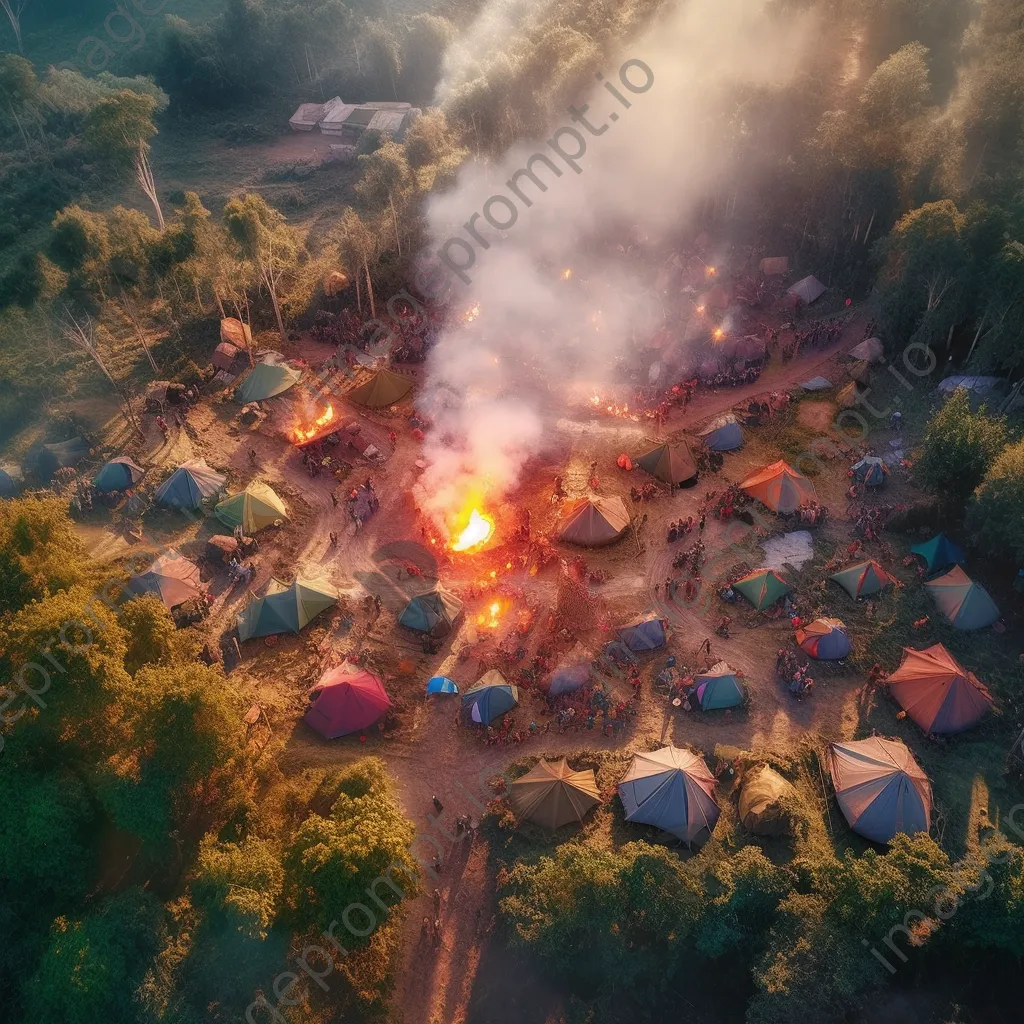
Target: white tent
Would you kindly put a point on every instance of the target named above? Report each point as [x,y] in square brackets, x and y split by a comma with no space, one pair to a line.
[808,290]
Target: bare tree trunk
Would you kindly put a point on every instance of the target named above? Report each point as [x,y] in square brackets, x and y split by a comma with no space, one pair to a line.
[369,289]
[220,304]
[870,223]
[13,9]
[144,176]
[17,121]
[359,296]
[394,218]
[139,331]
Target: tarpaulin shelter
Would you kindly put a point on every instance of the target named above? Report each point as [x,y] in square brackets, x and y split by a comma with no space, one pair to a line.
[764,802]
[234,332]
[870,350]
[118,475]
[965,603]
[939,552]
[672,789]
[435,612]
[269,377]
[772,265]
[384,388]
[762,588]
[189,484]
[44,460]
[171,577]
[863,579]
[492,696]
[719,688]
[441,684]
[673,463]
[870,471]
[881,789]
[224,356]
[816,384]
[937,692]
[569,677]
[806,290]
[552,794]
[346,699]
[824,639]
[11,480]
[646,634]
[284,609]
[723,434]
[780,487]
[252,509]
[594,522]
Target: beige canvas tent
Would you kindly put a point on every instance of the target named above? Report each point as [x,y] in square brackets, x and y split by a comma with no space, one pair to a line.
[552,794]
[764,802]
[594,522]
[384,388]
[235,332]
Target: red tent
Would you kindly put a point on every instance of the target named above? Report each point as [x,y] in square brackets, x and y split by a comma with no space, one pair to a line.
[347,699]
[937,691]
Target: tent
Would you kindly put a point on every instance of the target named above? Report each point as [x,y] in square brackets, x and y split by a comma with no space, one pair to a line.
[980,387]
[172,578]
[552,794]
[939,552]
[848,396]
[863,579]
[569,677]
[772,265]
[284,609]
[824,639]
[763,802]
[723,434]
[44,460]
[870,350]
[235,333]
[646,634]
[965,603]
[11,480]
[762,588]
[347,699]
[672,789]
[189,484]
[807,290]
[719,688]
[594,522]
[435,612]
[269,377]
[673,463]
[870,471]
[224,356]
[816,384]
[384,388]
[881,789]
[441,684]
[118,475]
[490,698]
[937,692]
[780,487]
[252,509]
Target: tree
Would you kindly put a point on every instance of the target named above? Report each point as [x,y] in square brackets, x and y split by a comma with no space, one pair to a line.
[153,639]
[424,45]
[897,91]
[19,86]
[384,52]
[958,447]
[239,884]
[80,245]
[13,9]
[387,181]
[358,246]
[433,150]
[996,514]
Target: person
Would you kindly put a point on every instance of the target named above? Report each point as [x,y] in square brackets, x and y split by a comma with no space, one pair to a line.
[438,806]
[673,533]
[705,647]
[334,539]
[896,421]
[392,437]
[162,424]
[437,901]
[334,498]
[668,588]
[700,524]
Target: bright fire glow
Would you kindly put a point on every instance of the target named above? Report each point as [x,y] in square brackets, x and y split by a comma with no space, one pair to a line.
[478,531]
[492,622]
[472,313]
[719,334]
[567,273]
[700,309]
[711,271]
[319,423]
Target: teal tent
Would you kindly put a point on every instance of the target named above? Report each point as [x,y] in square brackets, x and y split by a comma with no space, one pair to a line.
[965,604]
[284,609]
[490,698]
[118,475]
[434,613]
[269,377]
[939,553]
[870,471]
[189,484]
[762,588]
[719,688]
[863,579]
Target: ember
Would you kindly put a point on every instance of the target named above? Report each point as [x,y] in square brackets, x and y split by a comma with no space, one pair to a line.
[472,313]
[476,533]
[492,622]
[300,435]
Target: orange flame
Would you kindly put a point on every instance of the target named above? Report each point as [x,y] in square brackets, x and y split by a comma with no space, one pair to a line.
[567,273]
[476,533]
[718,334]
[492,622]
[319,423]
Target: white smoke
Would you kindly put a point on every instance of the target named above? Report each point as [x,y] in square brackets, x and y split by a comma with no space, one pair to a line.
[496,383]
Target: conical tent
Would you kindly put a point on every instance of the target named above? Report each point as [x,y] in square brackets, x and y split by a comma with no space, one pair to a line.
[939,552]
[763,802]
[966,604]
[11,480]
[824,639]
[189,484]
[673,463]
[594,522]
[252,509]
[807,290]
[552,794]
[881,789]
[723,434]
[863,579]
[671,789]
[870,471]
[646,634]
[937,692]
[269,377]
[347,699]
[719,688]
[383,388]
[284,609]
[434,613]
[780,487]
[172,578]
[762,588]
[490,698]
[441,684]
[870,350]
[118,475]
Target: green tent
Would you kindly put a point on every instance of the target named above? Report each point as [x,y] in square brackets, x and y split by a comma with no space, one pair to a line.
[435,612]
[252,509]
[939,552]
[382,389]
[863,579]
[762,588]
[269,377]
[719,688]
[965,603]
[673,463]
[284,609]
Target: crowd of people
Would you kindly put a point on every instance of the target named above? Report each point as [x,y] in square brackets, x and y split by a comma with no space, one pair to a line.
[795,675]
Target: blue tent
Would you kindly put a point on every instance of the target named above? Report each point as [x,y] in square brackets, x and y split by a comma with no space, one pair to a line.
[189,484]
[723,434]
[939,552]
[441,684]
[490,698]
[643,635]
[870,471]
[118,475]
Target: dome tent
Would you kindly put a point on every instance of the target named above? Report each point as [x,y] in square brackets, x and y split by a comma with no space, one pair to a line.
[646,634]
[863,579]
[723,434]
[346,699]
[719,688]
[763,802]
[824,639]
[435,612]
[569,677]
[762,588]
[937,692]
[870,350]
[552,794]
[441,684]
[965,604]
[780,487]
[382,389]
[11,480]
[939,553]
[594,522]
[271,376]
[252,509]
[672,463]
[118,475]
[171,578]
[490,698]
[870,471]
[189,484]
[284,609]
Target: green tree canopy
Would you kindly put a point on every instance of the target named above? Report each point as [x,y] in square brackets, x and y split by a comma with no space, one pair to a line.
[119,126]
[996,515]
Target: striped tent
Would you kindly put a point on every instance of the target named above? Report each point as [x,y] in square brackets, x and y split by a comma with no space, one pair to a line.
[780,487]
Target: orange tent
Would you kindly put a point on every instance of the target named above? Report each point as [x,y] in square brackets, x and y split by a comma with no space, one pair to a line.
[937,691]
[780,487]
